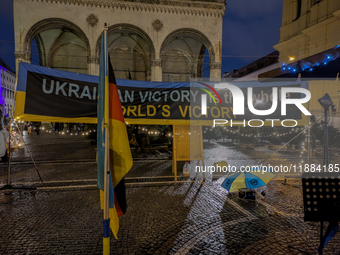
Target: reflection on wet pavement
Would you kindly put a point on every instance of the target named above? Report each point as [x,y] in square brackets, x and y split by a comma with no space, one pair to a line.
[191,217]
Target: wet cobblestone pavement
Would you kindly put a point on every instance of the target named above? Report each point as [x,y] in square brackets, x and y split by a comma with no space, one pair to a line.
[188,217]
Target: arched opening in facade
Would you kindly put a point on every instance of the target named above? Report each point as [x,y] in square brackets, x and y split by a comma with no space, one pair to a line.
[183,53]
[60,44]
[131,51]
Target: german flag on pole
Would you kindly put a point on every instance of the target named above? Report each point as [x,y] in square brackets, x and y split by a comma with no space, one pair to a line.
[114,155]
[120,153]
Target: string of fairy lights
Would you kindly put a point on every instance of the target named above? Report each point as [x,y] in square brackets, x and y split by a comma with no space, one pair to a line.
[303,147]
[67,132]
[310,66]
[273,134]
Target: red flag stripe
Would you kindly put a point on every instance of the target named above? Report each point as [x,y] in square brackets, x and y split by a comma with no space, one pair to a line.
[117,206]
[115,105]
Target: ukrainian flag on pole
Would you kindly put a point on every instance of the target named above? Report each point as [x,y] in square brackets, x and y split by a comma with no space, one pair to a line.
[114,155]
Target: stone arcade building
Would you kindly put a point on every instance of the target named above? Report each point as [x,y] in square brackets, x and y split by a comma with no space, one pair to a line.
[155,40]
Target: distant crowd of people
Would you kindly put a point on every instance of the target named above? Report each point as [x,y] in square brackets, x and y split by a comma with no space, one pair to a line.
[56,127]
[72,127]
[31,127]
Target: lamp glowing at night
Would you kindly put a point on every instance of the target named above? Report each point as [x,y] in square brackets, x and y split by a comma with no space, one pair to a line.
[325,101]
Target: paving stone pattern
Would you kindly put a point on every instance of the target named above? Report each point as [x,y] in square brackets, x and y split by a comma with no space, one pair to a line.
[192,217]
[189,218]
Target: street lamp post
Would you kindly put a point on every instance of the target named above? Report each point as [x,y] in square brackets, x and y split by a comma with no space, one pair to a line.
[325,102]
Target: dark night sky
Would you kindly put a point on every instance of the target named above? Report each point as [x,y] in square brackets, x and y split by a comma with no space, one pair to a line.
[250,29]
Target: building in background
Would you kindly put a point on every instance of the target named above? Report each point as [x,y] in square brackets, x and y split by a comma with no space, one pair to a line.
[7,85]
[309,37]
[149,40]
[308,27]
[309,47]
[252,71]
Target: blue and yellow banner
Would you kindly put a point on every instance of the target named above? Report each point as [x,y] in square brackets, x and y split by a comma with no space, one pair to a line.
[45,94]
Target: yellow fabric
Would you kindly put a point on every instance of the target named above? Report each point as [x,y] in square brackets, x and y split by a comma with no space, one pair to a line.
[122,159]
[20,103]
[106,101]
[20,108]
[42,118]
[106,246]
[20,113]
[264,176]
[240,183]
[114,220]
[220,164]
[165,121]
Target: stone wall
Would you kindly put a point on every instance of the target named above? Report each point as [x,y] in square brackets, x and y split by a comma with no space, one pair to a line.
[143,35]
[308,27]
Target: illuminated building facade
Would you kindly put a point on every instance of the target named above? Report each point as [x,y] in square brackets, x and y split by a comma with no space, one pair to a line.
[7,85]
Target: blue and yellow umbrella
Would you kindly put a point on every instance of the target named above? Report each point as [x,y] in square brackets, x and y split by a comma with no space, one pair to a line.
[251,178]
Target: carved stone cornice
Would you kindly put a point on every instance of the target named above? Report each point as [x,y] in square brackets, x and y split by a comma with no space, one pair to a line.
[24,55]
[156,62]
[215,65]
[196,8]
[92,60]
[157,25]
[92,20]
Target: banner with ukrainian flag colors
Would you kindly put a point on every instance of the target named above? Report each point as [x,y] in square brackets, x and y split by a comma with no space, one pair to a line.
[46,94]
[52,95]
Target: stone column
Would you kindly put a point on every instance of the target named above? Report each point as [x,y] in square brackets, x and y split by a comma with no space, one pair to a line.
[156,70]
[93,65]
[285,12]
[22,56]
[293,10]
[215,71]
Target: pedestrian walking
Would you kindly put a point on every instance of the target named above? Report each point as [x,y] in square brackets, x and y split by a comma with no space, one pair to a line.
[29,129]
[78,127]
[3,141]
[53,126]
[141,138]
[57,127]
[37,127]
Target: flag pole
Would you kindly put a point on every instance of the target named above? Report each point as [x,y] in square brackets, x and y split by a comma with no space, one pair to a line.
[106,220]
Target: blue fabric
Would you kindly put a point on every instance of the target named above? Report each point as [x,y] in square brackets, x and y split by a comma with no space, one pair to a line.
[332,229]
[246,84]
[100,128]
[253,181]
[25,67]
[106,228]
[229,181]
